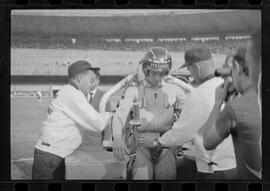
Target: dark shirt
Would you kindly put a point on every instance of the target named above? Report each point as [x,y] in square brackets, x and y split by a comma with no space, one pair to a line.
[241,119]
[92,138]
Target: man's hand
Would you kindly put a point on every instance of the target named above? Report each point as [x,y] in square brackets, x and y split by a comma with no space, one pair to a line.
[119,148]
[49,111]
[147,140]
[221,91]
[168,79]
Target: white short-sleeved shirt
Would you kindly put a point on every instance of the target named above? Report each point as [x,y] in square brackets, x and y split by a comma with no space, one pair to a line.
[195,113]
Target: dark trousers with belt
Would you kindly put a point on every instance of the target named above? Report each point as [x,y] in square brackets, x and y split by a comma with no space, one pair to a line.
[48,166]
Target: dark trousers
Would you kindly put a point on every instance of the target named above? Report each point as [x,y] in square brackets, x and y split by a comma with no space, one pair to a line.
[230,174]
[48,166]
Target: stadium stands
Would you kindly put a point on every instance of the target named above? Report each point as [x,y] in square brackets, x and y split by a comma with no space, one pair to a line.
[216,46]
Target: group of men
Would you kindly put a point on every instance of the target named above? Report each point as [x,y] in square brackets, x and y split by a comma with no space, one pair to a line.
[226,135]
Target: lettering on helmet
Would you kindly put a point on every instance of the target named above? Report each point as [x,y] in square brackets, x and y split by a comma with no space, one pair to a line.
[158,66]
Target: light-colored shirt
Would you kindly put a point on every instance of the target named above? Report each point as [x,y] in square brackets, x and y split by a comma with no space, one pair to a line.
[195,113]
[156,107]
[62,130]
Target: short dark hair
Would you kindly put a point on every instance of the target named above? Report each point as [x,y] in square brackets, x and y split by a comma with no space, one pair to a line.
[241,59]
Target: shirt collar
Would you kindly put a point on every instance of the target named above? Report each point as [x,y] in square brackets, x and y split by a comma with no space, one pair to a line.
[93,91]
[147,84]
[209,77]
[70,82]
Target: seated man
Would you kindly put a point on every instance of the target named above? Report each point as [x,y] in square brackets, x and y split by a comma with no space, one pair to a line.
[157,102]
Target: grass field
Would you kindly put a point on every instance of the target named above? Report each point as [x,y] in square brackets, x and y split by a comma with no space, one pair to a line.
[26,117]
[50,62]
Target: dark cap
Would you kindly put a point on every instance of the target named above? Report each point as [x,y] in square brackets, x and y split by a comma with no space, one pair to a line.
[80,66]
[196,54]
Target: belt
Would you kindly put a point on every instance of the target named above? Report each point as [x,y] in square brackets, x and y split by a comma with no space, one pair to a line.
[152,135]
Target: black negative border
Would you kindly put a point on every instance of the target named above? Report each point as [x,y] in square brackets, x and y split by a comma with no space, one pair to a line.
[5,8]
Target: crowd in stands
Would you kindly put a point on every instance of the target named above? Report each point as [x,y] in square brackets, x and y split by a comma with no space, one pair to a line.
[216,46]
[15,93]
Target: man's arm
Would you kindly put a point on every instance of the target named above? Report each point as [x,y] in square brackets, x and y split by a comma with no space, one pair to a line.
[190,121]
[210,136]
[181,97]
[119,120]
[109,106]
[79,110]
[217,127]
[107,133]
[122,112]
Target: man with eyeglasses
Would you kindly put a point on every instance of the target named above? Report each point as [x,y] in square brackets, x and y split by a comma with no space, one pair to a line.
[64,126]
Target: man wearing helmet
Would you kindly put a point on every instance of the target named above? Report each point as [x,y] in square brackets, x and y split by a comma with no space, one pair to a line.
[157,102]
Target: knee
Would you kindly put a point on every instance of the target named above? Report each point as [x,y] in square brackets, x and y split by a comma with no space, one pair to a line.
[142,167]
[142,159]
[166,167]
[168,155]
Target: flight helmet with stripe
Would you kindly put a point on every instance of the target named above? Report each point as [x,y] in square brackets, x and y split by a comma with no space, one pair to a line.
[157,59]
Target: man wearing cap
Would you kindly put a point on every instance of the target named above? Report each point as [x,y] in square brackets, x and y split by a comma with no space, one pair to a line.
[220,162]
[63,128]
[157,101]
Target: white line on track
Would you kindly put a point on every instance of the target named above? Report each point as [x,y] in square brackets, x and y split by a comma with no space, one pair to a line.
[22,159]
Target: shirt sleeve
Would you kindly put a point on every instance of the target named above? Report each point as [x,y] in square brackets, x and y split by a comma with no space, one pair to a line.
[190,121]
[122,112]
[80,111]
[109,106]
[226,121]
[181,96]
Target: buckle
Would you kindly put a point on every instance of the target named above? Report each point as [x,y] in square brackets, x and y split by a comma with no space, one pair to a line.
[212,163]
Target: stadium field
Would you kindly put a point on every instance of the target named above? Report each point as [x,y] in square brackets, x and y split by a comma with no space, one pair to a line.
[54,61]
[26,116]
